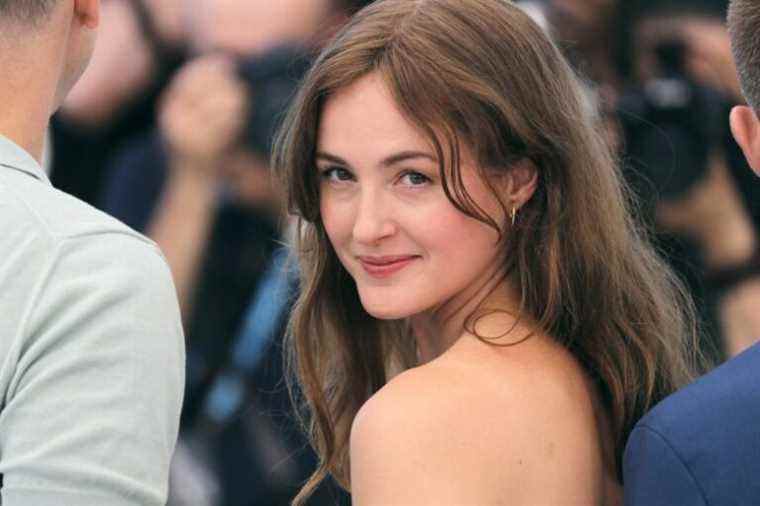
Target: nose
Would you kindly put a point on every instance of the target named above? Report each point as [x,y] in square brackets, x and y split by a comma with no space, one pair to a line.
[374,218]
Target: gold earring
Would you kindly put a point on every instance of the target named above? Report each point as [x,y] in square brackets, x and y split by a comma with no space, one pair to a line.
[514,215]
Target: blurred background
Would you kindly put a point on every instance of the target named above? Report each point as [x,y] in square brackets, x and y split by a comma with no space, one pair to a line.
[170,131]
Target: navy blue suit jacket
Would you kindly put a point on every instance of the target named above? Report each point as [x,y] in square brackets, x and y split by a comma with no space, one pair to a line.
[701,445]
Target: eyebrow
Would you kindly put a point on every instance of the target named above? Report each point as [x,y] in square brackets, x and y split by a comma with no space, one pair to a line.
[394,159]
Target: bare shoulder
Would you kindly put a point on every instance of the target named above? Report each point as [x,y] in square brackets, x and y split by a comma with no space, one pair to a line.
[478,427]
[401,449]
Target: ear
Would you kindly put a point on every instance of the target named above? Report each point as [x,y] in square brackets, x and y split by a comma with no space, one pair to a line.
[746,129]
[521,181]
[88,13]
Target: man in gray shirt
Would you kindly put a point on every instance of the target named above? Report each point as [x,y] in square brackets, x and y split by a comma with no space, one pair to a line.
[91,346]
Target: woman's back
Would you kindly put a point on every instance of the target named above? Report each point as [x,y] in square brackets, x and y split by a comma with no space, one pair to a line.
[486,425]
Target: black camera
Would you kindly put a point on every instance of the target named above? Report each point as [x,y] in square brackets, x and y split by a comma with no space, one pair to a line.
[671,125]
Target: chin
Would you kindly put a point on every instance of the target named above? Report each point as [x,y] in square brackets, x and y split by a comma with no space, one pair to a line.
[388,308]
[385,314]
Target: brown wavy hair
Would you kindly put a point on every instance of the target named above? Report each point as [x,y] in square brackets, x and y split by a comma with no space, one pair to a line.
[482,74]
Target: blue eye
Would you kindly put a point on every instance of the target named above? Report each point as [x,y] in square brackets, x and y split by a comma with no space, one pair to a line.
[336,174]
[412,178]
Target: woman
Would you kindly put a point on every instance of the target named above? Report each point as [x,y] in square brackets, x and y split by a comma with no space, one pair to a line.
[480,321]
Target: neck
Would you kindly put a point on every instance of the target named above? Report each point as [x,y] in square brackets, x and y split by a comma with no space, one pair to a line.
[24,126]
[32,65]
[440,328]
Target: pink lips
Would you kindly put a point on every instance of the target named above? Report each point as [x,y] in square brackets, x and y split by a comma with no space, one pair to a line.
[383,267]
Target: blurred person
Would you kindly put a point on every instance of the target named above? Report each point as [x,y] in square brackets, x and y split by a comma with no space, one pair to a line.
[199,186]
[263,458]
[463,238]
[702,444]
[154,36]
[699,25]
[92,346]
[696,169]
[207,205]
[142,47]
[255,27]
[670,147]
[696,192]
[203,123]
[203,181]
[253,451]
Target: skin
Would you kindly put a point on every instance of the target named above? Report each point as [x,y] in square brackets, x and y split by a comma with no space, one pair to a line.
[40,66]
[412,443]
[478,425]
[227,23]
[201,119]
[739,310]
[745,127]
[109,83]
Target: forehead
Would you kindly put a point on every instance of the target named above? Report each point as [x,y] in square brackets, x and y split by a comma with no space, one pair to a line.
[227,24]
[364,118]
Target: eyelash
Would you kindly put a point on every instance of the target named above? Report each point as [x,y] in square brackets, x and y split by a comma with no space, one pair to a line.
[413,173]
[327,173]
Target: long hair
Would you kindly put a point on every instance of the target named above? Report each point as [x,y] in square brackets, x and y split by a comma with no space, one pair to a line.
[480,73]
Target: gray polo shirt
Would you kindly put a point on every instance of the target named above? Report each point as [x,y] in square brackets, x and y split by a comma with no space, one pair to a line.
[91,350]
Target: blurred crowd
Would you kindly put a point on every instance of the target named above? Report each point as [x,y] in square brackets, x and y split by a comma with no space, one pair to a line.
[170,131]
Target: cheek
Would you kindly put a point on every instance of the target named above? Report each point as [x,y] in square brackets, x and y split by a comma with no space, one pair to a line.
[336,220]
[455,235]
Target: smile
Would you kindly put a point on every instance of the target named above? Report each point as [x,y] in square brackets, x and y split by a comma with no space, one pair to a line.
[383,267]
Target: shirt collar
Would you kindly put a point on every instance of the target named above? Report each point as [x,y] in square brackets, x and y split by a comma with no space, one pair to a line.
[13,156]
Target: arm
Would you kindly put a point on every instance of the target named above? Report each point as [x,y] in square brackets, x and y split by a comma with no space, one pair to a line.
[739,312]
[91,413]
[182,224]
[201,119]
[714,215]
[654,474]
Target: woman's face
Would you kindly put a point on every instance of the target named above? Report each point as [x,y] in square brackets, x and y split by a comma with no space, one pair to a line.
[385,212]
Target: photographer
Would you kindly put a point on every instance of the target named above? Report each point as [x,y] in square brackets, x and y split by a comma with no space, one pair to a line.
[688,167]
[200,187]
[662,74]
